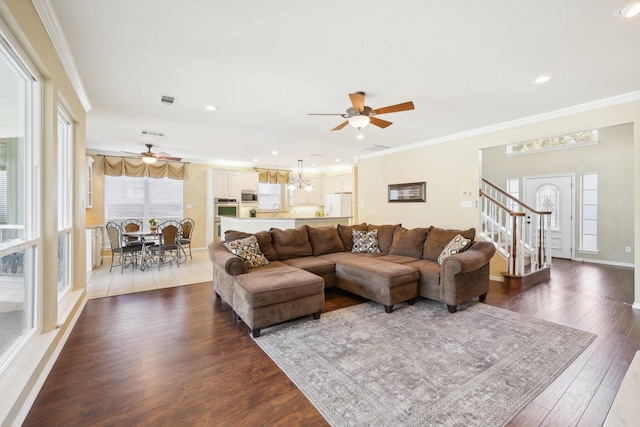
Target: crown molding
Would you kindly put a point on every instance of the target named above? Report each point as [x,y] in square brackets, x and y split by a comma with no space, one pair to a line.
[581,108]
[56,34]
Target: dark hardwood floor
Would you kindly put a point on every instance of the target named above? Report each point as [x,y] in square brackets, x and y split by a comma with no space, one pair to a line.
[176,356]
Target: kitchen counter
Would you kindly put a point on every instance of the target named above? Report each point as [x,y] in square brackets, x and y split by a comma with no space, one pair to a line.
[253,225]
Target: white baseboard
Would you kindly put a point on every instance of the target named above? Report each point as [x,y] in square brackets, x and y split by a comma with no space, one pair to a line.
[497,278]
[636,305]
[597,261]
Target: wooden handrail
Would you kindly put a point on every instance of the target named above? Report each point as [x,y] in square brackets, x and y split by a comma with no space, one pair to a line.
[512,213]
[509,196]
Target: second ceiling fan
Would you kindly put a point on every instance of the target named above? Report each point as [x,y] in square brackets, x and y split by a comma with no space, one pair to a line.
[360,115]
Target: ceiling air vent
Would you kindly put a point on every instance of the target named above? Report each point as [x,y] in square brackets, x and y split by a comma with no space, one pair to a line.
[168,100]
[376,148]
[152,134]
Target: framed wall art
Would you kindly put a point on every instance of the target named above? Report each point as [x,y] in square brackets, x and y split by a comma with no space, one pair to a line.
[410,192]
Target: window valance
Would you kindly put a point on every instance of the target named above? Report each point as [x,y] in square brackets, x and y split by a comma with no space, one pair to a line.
[272,176]
[118,166]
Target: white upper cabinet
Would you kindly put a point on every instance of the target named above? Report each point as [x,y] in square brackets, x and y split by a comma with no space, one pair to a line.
[226,184]
[301,197]
[338,184]
[249,181]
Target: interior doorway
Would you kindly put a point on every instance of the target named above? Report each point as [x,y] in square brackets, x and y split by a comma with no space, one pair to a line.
[554,193]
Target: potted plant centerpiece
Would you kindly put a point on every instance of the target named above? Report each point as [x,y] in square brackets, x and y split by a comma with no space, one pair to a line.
[153,224]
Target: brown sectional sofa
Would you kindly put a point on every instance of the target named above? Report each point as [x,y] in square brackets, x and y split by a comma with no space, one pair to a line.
[306,260]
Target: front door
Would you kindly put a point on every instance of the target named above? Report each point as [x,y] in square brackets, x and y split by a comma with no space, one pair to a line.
[555,194]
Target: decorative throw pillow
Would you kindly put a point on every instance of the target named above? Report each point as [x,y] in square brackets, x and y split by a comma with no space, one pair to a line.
[365,241]
[264,241]
[249,250]
[456,245]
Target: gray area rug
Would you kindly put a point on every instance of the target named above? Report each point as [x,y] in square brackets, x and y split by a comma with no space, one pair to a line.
[421,365]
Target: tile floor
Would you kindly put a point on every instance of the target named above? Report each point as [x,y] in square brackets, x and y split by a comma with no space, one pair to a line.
[102,283]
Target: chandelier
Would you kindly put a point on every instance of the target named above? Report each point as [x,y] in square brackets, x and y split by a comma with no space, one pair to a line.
[299,181]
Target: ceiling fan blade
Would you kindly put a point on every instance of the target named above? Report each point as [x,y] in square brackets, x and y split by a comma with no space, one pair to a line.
[357,100]
[341,125]
[379,122]
[394,108]
[129,152]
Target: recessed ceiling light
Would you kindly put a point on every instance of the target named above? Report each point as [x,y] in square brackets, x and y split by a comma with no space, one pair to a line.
[274,153]
[629,10]
[542,79]
[211,108]
[338,160]
[255,160]
[360,136]
[313,165]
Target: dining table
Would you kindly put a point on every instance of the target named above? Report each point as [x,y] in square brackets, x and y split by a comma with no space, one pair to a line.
[146,257]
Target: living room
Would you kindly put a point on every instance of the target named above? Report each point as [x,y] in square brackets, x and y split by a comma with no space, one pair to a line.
[448,163]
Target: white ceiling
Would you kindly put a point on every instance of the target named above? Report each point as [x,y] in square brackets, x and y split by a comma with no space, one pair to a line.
[266,64]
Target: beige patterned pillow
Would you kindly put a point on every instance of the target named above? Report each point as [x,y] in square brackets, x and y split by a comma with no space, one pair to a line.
[365,241]
[249,250]
[456,245]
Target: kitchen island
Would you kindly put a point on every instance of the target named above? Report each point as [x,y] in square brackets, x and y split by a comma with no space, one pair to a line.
[253,225]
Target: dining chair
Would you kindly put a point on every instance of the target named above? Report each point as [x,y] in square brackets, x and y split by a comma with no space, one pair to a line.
[127,253]
[187,230]
[168,248]
[131,224]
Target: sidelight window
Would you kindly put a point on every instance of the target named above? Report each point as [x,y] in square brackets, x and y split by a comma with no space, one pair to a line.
[589,213]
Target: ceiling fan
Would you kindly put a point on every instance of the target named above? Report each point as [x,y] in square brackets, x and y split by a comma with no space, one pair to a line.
[361,115]
[149,157]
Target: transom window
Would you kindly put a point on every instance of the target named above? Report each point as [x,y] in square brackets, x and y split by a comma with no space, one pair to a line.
[555,142]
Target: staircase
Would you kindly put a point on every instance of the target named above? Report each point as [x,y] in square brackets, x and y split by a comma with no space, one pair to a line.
[520,234]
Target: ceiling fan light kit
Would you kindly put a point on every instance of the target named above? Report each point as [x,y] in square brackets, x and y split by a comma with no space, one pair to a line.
[361,115]
[148,159]
[359,121]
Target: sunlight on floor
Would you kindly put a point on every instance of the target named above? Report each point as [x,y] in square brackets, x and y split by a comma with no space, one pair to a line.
[102,283]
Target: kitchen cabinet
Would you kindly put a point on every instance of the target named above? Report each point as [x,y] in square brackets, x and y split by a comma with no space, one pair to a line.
[226,184]
[338,184]
[301,197]
[89,195]
[249,181]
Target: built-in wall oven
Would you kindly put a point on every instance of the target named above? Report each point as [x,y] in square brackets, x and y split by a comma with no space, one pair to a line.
[223,207]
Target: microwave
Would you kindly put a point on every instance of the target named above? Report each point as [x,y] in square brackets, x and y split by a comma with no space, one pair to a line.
[249,196]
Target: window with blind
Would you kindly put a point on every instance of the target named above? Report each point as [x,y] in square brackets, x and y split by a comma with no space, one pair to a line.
[142,198]
[269,195]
